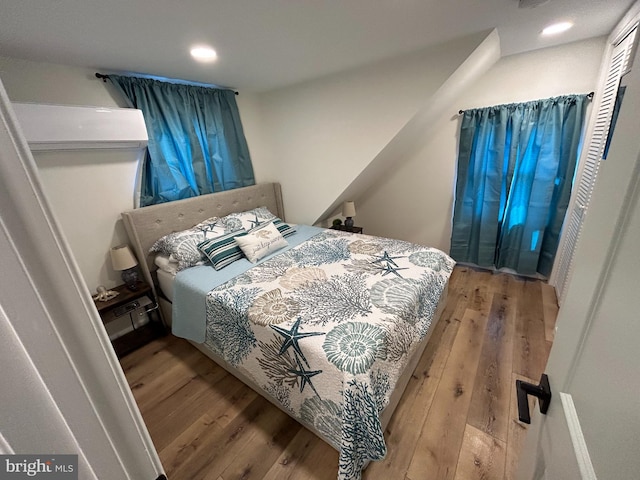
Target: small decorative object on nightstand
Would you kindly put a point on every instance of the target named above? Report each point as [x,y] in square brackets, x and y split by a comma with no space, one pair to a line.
[104,295]
[123,259]
[349,211]
[124,315]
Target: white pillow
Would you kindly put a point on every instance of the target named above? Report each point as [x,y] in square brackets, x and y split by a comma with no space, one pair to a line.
[166,264]
[261,241]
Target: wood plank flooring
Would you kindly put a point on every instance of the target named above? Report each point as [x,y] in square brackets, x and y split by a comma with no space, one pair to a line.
[457,420]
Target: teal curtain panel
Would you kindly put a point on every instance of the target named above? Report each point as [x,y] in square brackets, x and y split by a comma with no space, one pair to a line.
[196,141]
[516,165]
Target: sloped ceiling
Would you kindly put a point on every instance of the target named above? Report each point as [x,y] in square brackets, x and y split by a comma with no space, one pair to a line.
[331,138]
[419,128]
[263,45]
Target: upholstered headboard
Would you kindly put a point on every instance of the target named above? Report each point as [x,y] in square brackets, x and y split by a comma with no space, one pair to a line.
[145,225]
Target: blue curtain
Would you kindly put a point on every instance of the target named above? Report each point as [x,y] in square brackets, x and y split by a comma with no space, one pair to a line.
[196,141]
[516,165]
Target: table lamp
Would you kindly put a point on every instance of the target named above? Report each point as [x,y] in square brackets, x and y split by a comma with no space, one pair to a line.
[122,259]
[349,211]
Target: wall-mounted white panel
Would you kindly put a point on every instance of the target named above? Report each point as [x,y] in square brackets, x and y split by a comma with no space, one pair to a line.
[66,127]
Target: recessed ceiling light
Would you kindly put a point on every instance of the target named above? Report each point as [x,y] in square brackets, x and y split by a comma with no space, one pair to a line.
[557,28]
[204,54]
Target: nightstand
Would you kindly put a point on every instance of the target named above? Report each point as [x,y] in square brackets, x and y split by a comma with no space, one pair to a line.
[344,228]
[123,315]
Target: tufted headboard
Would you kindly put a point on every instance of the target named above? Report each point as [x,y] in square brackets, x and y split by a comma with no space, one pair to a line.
[145,225]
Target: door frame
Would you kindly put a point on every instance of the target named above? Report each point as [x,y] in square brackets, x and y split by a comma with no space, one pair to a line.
[604,227]
[58,331]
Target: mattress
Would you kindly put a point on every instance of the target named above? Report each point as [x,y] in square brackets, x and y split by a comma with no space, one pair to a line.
[166,281]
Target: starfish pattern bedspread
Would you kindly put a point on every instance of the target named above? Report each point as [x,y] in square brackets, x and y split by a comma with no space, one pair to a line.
[326,329]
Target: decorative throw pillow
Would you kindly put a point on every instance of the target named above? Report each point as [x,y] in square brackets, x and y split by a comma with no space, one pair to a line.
[261,241]
[247,220]
[284,228]
[222,251]
[183,246]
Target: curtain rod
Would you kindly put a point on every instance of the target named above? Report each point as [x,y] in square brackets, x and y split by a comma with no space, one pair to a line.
[104,79]
[460,112]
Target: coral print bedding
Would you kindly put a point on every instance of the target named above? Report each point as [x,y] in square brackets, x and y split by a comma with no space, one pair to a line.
[327,327]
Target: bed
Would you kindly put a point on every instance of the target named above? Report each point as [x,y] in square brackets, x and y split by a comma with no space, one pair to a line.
[328,326]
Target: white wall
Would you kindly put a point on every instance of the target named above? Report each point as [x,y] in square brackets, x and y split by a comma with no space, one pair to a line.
[257,137]
[415,201]
[27,81]
[322,133]
[314,138]
[87,189]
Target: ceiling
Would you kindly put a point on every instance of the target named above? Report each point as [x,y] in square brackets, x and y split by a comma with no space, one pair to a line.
[267,44]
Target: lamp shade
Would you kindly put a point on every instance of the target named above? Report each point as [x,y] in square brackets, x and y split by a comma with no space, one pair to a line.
[349,209]
[122,258]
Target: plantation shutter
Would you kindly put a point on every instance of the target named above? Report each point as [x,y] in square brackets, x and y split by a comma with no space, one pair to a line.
[619,65]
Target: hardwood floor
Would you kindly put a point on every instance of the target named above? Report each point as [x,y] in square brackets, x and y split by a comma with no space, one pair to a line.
[457,419]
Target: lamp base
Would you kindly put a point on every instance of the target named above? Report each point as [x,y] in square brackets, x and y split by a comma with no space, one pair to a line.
[349,223]
[130,278]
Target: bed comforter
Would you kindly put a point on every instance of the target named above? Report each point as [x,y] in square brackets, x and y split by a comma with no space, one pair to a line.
[326,329]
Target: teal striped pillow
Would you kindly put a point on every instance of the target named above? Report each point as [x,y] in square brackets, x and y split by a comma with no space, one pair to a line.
[284,228]
[224,250]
